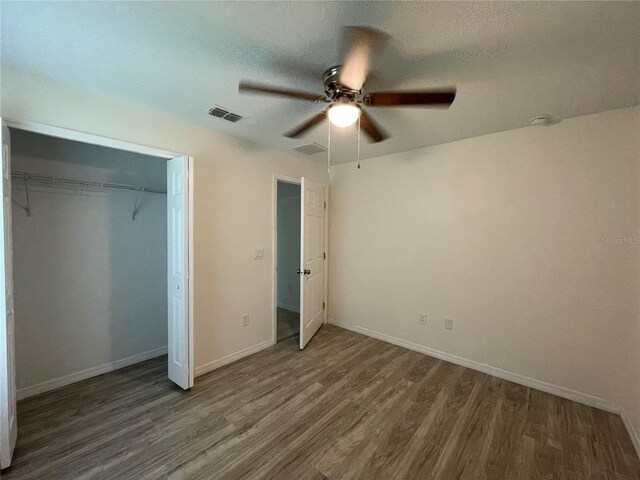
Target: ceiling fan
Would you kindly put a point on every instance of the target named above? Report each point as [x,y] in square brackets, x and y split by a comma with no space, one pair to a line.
[343,89]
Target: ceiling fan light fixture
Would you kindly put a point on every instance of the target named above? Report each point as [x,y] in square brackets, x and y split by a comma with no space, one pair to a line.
[343,115]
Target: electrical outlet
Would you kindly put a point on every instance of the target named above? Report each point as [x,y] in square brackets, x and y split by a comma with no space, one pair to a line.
[423,319]
[448,324]
[245,320]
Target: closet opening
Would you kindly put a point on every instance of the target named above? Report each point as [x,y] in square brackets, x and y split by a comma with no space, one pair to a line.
[287,246]
[99,279]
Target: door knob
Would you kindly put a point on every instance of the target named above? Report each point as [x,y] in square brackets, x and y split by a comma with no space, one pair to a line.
[307,272]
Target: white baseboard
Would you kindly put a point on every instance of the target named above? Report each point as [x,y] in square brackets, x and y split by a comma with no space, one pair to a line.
[227,359]
[291,308]
[585,398]
[633,432]
[55,383]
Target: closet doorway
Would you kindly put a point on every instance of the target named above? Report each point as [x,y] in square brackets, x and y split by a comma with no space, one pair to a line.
[101,256]
[93,259]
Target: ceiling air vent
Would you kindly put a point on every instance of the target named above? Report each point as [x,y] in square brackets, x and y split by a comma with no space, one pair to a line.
[310,149]
[224,114]
[232,117]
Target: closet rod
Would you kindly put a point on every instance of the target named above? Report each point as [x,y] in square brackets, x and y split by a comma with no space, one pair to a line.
[84,183]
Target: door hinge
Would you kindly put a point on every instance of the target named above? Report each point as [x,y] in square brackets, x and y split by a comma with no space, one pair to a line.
[323,305]
[324,255]
[325,205]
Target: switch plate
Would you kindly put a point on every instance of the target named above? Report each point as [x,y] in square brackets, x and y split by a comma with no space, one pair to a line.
[245,320]
[448,324]
[422,320]
[259,254]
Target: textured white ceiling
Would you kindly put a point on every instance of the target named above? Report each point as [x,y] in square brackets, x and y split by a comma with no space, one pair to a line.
[510,60]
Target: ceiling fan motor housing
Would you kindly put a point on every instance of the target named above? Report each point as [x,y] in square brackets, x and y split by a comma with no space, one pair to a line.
[334,89]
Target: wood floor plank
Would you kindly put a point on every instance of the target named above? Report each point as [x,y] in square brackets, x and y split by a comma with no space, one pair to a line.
[473,434]
[346,407]
[351,451]
[505,447]
[465,399]
[385,460]
[267,430]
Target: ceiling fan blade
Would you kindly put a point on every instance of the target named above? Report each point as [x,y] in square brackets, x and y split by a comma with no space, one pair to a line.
[312,122]
[373,131]
[250,87]
[360,44]
[434,98]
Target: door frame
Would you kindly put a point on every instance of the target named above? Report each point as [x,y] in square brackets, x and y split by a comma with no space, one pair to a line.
[8,394]
[274,251]
[92,139]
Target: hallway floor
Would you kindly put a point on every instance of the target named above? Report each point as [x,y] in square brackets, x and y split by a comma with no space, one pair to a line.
[288,323]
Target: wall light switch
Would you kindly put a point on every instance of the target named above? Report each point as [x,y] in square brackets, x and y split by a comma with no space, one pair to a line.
[245,320]
[423,319]
[259,254]
[448,324]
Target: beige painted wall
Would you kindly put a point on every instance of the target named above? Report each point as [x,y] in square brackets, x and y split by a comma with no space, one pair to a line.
[232,204]
[516,237]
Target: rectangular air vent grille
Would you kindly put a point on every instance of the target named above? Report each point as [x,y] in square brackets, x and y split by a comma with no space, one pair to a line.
[220,112]
[232,117]
[310,149]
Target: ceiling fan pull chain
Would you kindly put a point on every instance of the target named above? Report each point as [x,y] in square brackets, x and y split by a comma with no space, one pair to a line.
[329,150]
[358,141]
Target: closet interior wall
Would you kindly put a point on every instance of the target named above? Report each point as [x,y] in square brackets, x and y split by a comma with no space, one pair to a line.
[90,280]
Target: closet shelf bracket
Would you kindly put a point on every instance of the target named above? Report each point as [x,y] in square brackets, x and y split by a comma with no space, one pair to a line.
[136,205]
[27,206]
[26,189]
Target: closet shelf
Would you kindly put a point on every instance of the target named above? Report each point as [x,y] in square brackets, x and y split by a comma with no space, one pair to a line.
[83,183]
[28,177]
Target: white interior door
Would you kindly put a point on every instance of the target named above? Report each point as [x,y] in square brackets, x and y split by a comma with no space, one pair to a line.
[178,271]
[8,422]
[312,259]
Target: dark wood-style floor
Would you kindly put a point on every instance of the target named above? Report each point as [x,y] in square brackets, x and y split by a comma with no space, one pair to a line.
[347,406]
